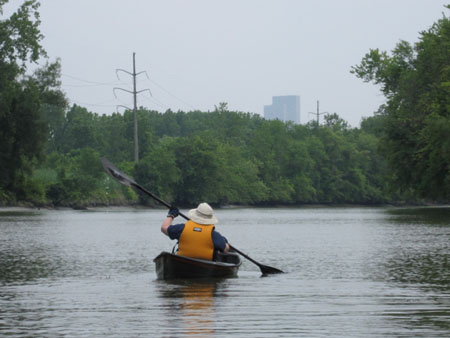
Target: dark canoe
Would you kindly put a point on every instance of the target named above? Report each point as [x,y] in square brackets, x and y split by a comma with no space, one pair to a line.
[171,266]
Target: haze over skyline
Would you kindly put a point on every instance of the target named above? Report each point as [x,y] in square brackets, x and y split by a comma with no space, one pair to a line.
[199,53]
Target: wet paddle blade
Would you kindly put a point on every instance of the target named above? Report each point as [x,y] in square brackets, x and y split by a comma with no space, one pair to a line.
[116,173]
[267,270]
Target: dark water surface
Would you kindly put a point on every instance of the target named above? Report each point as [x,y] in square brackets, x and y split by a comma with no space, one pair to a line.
[351,272]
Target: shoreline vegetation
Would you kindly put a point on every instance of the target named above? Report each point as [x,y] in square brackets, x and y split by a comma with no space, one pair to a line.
[50,151]
[222,157]
[25,206]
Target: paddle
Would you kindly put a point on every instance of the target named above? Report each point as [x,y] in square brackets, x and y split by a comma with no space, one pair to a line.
[265,269]
[130,182]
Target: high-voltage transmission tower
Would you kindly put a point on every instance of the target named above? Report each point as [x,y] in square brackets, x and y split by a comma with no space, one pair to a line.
[134,92]
[318,113]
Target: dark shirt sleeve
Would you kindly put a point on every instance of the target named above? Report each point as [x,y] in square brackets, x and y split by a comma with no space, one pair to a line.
[174,231]
[219,241]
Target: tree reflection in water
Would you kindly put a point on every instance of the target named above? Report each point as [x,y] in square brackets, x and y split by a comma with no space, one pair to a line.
[418,263]
[422,254]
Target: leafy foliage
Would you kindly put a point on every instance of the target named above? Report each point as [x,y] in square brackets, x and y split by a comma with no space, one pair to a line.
[236,158]
[416,82]
[23,132]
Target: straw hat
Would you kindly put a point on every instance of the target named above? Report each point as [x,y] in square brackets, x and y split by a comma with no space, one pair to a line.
[203,214]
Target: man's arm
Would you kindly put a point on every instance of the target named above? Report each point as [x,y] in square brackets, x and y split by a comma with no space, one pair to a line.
[220,242]
[166,224]
[227,248]
[173,212]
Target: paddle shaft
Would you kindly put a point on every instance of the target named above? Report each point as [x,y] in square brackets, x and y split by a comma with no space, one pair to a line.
[244,255]
[137,186]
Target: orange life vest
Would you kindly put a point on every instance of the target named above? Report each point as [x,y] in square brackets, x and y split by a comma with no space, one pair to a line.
[196,241]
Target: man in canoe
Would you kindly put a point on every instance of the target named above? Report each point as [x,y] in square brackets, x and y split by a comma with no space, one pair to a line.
[197,238]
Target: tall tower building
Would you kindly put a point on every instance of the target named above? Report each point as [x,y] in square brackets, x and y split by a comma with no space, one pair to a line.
[284,108]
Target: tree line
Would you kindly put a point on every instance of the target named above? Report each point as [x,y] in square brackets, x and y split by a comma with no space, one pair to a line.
[222,157]
[50,152]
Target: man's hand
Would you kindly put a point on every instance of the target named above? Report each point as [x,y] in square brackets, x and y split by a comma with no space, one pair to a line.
[173,212]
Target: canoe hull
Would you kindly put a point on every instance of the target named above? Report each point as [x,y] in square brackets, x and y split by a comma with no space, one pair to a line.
[171,266]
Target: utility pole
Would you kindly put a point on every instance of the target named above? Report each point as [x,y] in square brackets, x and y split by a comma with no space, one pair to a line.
[318,113]
[134,92]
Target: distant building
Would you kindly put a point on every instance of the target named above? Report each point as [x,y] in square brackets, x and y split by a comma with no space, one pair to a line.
[284,108]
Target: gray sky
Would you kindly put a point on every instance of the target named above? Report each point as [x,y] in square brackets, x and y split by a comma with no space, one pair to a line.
[198,53]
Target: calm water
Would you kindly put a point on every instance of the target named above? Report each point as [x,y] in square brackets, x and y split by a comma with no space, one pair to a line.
[351,272]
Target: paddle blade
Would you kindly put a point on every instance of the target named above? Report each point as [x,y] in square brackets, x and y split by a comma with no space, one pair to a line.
[267,270]
[116,173]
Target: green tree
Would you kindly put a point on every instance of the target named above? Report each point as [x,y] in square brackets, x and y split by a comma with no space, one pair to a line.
[238,178]
[53,101]
[415,80]
[78,178]
[268,148]
[200,167]
[80,130]
[114,141]
[22,130]
[299,170]
[158,170]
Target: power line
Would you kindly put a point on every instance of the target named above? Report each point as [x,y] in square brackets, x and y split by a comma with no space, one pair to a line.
[173,95]
[93,83]
[156,101]
[99,104]
[90,83]
[84,86]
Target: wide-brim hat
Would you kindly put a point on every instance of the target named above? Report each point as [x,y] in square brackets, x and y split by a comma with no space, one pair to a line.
[203,214]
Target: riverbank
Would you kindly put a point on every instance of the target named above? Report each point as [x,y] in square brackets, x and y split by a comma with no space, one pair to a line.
[29,206]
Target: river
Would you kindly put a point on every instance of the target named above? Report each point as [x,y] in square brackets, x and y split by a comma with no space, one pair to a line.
[350,272]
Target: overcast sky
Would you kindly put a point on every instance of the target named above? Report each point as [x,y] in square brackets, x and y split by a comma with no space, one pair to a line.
[198,53]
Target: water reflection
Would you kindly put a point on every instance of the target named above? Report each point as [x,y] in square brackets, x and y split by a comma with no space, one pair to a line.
[27,260]
[14,214]
[194,303]
[424,215]
[17,268]
[420,252]
[431,268]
